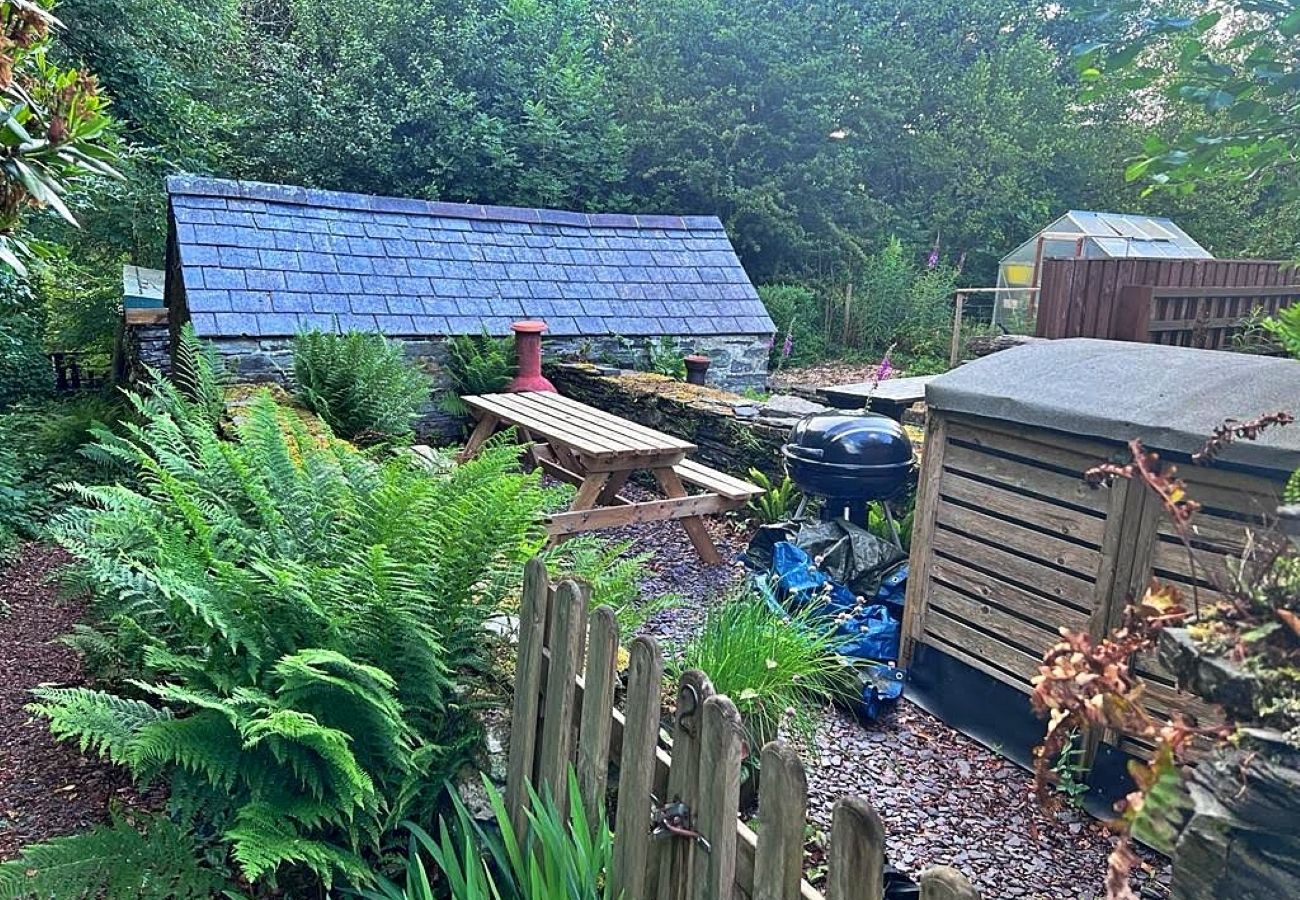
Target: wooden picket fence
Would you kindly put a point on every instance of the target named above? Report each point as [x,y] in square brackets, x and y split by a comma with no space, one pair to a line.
[685,788]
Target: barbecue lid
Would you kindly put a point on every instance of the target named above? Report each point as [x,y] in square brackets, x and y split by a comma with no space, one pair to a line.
[850,440]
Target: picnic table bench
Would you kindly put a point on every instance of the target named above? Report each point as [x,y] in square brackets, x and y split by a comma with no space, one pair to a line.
[598,452]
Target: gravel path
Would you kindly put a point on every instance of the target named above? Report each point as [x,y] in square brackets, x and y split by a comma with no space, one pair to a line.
[944,798]
[46,788]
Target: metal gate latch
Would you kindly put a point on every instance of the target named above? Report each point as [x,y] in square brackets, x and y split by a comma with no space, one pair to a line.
[674,820]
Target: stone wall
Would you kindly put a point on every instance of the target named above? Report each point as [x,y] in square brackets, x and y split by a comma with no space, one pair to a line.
[146,346]
[734,433]
[738,362]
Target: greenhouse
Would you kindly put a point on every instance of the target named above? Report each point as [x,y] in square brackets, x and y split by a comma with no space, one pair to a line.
[1085,235]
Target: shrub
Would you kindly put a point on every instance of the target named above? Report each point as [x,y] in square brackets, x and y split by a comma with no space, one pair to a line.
[561,858]
[895,302]
[769,663]
[477,364]
[25,371]
[362,385]
[796,311]
[296,617]
[1285,329]
[157,862]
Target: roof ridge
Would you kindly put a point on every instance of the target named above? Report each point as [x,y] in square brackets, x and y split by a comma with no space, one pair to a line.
[195,185]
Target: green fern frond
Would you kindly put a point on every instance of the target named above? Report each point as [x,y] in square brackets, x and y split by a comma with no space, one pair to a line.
[263,840]
[99,722]
[153,859]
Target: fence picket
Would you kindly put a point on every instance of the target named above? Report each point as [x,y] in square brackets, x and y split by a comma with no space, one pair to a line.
[946,883]
[857,855]
[636,770]
[675,867]
[721,740]
[597,702]
[567,641]
[528,675]
[782,813]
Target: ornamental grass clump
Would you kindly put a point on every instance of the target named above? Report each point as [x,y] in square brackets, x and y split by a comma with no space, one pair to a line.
[362,385]
[292,622]
[773,665]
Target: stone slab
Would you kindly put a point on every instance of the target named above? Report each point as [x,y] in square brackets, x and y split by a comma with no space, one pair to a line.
[891,396]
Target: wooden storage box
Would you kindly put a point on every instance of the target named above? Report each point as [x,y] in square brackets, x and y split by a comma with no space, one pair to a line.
[1010,545]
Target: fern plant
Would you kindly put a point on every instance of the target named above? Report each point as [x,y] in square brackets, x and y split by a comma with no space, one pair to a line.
[150,860]
[477,364]
[777,503]
[362,385]
[293,618]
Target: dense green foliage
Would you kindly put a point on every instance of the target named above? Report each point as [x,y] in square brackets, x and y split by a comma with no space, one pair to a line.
[294,618]
[477,364]
[775,667]
[562,857]
[1285,328]
[158,861]
[362,385]
[52,131]
[24,369]
[816,131]
[614,573]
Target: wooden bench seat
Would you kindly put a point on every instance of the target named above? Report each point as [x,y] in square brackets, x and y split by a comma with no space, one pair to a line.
[716,482]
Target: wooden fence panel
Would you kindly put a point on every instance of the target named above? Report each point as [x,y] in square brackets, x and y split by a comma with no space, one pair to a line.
[568,639]
[597,701]
[944,883]
[1191,303]
[677,864]
[636,769]
[528,681]
[783,810]
[857,856]
[721,740]
[554,688]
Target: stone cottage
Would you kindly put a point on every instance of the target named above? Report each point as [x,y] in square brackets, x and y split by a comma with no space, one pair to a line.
[250,265]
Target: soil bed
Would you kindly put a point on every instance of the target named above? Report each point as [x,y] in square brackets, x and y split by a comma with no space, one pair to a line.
[944,798]
[47,788]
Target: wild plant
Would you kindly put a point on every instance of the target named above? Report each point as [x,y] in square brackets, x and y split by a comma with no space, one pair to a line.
[777,503]
[362,385]
[615,575]
[775,666]
[295,617]
[477,364]
[561,857]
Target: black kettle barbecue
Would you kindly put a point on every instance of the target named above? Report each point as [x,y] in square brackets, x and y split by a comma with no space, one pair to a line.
[851,461]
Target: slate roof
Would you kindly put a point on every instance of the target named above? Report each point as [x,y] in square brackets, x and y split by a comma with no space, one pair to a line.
[266,260]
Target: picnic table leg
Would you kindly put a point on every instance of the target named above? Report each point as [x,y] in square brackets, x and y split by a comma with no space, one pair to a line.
[482,431]
[672,486]
[612,487]
[588,497]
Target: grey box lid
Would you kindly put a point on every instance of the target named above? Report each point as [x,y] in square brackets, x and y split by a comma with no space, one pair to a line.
[1170,397]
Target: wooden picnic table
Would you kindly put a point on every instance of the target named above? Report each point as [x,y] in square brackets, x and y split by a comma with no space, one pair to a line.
[599,452]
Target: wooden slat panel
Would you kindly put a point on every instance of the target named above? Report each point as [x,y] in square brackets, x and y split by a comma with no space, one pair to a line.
[1068,588]
[528,683]
[1007,595]
[597,701]
[702,476]
[783,812]
[630,865]
[856,862]
[1040,513]
[1034,446]
[677,861]
[1043,482]
[650,511]
[721,739]
[568,643]
[549,430]
[625,430]
[1031,638]
[1045,547]
[989,655]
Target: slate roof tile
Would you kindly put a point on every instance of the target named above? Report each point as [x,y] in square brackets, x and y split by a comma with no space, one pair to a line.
[268,260]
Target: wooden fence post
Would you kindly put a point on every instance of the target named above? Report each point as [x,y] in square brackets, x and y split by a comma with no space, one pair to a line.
[636,770]
[597,704]
[954,350]
[567,642]
[946,883]
[721,742]
[782,814]
[1132,318]
[857,856]
[528,676]
[676,863]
